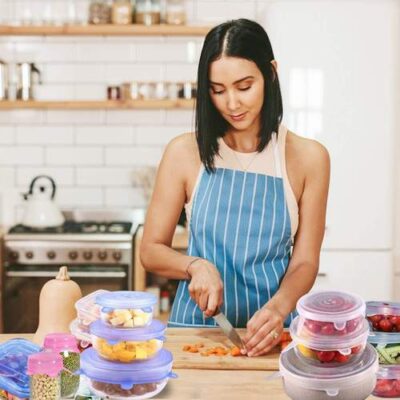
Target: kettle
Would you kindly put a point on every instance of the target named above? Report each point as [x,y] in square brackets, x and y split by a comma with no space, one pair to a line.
[41,211]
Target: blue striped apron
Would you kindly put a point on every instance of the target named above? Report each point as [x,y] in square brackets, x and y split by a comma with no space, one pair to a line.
[240,223]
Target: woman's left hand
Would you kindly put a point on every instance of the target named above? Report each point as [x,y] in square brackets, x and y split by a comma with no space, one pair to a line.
[264,330]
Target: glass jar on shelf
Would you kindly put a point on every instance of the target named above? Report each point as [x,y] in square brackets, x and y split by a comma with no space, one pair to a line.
[148,12]
[99,12]
[122,12]
[176,12]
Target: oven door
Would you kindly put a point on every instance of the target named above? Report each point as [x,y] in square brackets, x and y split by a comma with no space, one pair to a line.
[23,283]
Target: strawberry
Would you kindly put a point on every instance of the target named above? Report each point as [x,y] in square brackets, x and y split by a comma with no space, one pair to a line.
[385,325]
[341,358]
[327,329]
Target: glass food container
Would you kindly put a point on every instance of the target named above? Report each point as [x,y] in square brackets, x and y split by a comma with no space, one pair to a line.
[388,382]
[148,12]
[126,309]
[66,345]
[330,313]
[319,349]
[122,12]
[114,380]
[13,363]
[127,345]
[44,370]
[99,12]
[387,346]
[176,12]
[383,316]
[352,381]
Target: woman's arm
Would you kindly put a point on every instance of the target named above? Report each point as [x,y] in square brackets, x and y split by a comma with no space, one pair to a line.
[303,266]
[165,207]
[156,255]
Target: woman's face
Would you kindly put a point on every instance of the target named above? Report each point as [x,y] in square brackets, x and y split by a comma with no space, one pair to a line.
[237,91]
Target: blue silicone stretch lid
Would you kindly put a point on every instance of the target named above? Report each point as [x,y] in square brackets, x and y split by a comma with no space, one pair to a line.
[13,366]
[155,330]
[126,375]
[126,299]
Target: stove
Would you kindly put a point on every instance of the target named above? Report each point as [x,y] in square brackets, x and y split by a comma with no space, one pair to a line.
[96,245]
[87,238]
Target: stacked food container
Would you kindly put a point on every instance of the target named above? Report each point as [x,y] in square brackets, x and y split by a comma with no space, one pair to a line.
[127,359]
[329,357]
[384,320]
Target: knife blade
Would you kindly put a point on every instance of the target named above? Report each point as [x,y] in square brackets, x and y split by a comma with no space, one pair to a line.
[228,329]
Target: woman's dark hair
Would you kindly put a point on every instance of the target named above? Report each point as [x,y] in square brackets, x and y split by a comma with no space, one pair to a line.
[238,38]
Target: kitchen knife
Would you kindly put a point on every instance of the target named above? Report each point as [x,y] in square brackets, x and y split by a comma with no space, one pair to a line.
[228,329]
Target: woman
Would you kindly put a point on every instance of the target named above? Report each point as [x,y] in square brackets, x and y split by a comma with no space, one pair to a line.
[251,190]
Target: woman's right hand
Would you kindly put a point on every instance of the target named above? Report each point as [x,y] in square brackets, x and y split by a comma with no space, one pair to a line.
[206,287]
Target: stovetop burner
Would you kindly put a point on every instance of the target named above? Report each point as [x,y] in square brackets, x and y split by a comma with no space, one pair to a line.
[73,227]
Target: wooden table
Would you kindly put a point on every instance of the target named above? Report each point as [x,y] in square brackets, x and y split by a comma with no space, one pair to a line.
[214,377]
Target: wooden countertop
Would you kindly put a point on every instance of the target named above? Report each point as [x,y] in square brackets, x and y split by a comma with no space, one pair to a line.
[209,379]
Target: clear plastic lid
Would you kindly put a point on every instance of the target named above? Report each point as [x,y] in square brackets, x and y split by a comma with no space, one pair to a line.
[382,308]
[383,338]
[88,310]
[126,375]
[79,333]
[389,372]
[331,306]
[59,342]
[342,343]
[13,363]
[45,363]
[328,377]
[126,299]
[155,330]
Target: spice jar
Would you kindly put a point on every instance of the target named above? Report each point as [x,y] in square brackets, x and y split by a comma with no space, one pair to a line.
[99,12]
[148,12]
[176,13]
[65,344]
[121,12]
[44,370]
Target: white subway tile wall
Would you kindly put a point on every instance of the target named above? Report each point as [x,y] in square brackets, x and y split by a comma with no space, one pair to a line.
[93,155]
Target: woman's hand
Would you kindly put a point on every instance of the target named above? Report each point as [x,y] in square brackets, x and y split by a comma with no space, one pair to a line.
[263,331]
[205,287]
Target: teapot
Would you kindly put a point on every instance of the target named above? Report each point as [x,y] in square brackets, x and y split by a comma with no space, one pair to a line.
[41,210]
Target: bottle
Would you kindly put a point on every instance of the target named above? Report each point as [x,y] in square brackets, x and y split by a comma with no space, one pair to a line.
[44,370]
[164,301]
[176,12]
[121,13]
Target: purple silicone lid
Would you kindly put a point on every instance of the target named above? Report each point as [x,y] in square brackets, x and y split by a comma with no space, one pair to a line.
[125,299]
[126,375]
[13,364]
[155,330]
[383,307]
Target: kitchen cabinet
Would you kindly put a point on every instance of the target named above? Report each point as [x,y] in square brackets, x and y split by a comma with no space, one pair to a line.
[338,87]
[368,273]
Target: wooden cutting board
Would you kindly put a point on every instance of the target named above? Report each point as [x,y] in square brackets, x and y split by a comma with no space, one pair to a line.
[211,337]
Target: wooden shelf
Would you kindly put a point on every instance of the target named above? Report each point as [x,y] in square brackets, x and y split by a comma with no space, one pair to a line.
[107,30]
[93,105]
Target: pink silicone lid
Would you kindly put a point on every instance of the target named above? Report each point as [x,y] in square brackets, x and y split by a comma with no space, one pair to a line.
[45,363]
[59,342]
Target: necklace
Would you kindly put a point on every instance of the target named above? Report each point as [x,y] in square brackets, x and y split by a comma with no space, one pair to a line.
[244,167]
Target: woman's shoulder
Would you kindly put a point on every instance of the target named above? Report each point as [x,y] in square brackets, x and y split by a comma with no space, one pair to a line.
[183,148]
[308,152]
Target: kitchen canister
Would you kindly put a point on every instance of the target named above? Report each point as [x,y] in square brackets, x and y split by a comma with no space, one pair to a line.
[330,313]
[13,363]
[127,345]
[354,380]
[126,309]
[66,345]
[44,370]
[139,380]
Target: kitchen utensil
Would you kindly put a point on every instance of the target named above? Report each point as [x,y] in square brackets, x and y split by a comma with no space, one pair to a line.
[228,329]
[25,87]
[3,81]
[41,211]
